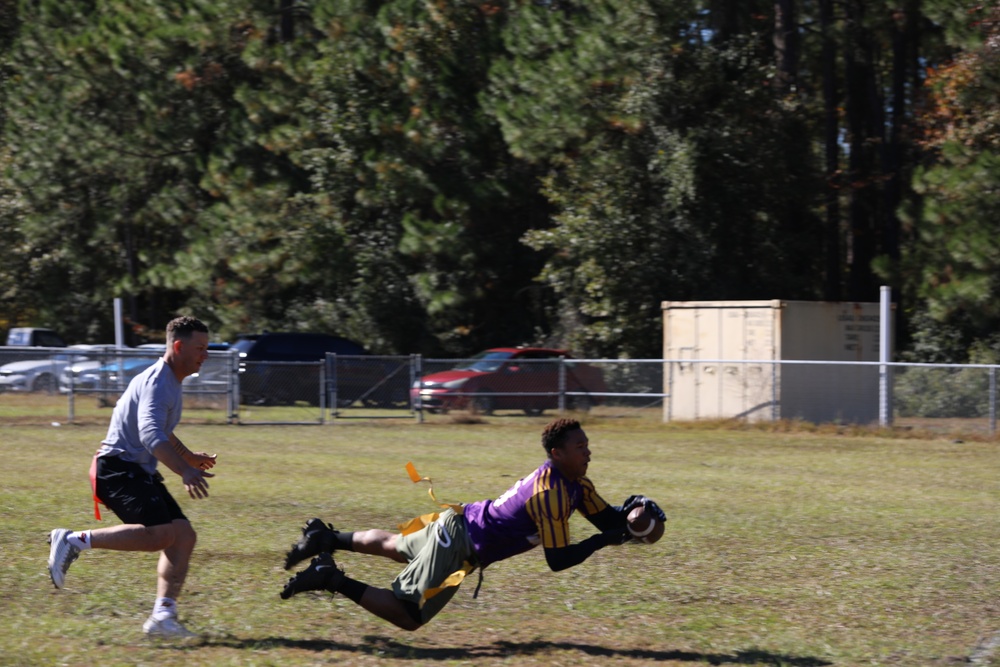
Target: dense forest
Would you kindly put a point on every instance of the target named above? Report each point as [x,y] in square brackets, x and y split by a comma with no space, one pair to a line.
[441,176]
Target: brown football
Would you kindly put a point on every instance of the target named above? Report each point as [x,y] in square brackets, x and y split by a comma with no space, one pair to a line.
[644,526]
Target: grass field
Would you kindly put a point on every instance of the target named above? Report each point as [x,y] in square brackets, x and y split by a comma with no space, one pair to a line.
[784,548]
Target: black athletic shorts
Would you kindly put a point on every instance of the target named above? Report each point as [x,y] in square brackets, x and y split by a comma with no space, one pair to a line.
[133,494]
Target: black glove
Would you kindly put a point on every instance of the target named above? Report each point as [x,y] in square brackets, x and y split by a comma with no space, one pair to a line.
[642,501]
[617,536]
[631,503]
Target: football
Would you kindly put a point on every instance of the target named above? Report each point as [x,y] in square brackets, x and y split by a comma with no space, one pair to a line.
[643,526]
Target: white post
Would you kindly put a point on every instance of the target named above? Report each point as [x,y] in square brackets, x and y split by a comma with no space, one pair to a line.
[119,331]
[884,357]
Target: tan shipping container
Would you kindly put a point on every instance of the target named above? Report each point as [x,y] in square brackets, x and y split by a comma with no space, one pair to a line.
[727,337]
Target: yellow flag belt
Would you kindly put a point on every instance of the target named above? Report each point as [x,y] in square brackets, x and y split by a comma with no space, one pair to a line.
[420,522]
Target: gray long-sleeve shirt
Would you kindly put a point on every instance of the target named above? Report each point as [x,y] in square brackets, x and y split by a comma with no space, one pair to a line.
[145,415]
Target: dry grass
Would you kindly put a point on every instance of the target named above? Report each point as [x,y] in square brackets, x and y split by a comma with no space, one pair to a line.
[785,547]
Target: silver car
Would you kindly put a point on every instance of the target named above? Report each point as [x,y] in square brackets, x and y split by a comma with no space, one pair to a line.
[43,374]
[108,374]
[82,373]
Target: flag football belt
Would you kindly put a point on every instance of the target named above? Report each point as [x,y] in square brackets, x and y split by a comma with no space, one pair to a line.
[93,487]
[424,520]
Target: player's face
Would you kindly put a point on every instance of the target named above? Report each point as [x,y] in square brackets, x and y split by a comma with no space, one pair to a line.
[573,457]
[190,354]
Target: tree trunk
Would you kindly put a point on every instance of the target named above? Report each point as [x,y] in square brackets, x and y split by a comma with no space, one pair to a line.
[864,138]
[786,44]
[831,132]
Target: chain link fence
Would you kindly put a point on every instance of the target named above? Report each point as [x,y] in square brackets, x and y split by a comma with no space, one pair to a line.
[533,387]
[82,383]
[959,398]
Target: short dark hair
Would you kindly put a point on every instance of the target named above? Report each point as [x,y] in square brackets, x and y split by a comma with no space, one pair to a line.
[555,434]
[182,328]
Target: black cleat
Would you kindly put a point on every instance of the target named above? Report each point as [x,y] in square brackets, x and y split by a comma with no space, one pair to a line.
[321,575]
[317,538]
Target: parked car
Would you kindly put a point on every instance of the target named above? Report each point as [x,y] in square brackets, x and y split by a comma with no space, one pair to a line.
[214,373]
[34,337]
[108,375]
[510,378]
[111,375]
[43,374]
[81,373]
[280,368]
[20,338]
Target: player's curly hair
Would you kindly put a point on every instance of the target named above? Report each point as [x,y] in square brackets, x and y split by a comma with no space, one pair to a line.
[182,328]
[555,433]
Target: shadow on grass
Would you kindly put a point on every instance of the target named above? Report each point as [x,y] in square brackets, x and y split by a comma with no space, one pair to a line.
[387,648]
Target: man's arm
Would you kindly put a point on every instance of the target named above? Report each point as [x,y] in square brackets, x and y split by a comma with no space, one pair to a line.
[609,518]
[613,524]
[199,460]
[193,478]
[561,558]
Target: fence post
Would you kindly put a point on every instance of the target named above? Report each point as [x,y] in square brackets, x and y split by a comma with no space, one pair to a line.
[71,417]
[562,385]
[334,400]
[670,391]
[993,400]
[233,387]
[884,352]
[775,414]
[416,373]
[322,390]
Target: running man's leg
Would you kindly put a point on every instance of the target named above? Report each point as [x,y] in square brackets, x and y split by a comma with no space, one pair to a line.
[172,569]
[377,543]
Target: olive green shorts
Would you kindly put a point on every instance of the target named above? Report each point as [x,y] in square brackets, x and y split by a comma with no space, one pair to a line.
[435,552]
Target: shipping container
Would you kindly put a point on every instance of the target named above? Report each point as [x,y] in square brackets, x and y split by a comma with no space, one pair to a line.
[721,360]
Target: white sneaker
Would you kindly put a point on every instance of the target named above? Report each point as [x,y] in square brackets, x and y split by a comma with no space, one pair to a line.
[61,555]
[168,627]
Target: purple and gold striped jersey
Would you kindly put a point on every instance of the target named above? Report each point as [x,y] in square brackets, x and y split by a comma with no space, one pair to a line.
[534,511]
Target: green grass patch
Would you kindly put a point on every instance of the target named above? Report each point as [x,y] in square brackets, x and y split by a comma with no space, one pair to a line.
[784,547]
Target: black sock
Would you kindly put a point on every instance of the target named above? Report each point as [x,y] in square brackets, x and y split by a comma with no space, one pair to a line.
[343,541]
[351,589]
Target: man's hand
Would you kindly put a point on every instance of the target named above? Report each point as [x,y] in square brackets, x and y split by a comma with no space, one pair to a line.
[195,482]
[201,460]
[642,501]
[617,536]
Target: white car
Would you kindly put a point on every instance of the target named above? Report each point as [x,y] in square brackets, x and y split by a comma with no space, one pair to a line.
[42,374]
[110,373]
[213,376]
[100,371]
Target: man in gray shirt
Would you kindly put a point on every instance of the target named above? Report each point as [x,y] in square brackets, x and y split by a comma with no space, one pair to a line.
[125,478]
